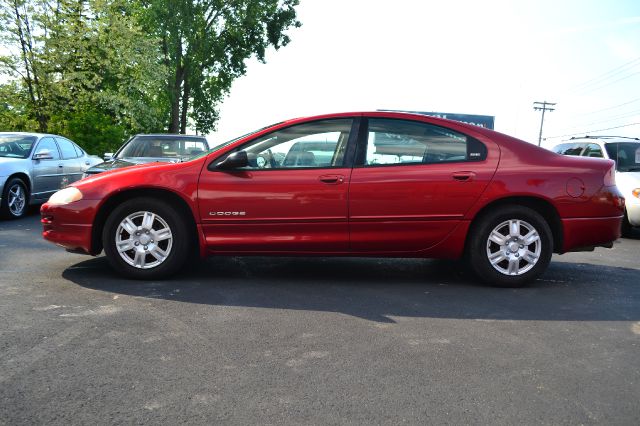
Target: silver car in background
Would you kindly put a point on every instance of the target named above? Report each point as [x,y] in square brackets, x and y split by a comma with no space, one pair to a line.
[152,148]
[34,165]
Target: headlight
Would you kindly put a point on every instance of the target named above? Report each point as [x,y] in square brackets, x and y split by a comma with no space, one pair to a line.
[636,192]
[65,196]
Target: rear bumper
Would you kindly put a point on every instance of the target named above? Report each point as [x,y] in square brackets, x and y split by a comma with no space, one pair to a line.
[582,233]
[69,226]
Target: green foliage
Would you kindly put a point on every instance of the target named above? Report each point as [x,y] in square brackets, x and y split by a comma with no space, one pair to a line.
[93,130]
[206,44]
[98,71]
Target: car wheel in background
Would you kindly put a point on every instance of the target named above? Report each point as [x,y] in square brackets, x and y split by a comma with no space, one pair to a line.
[510,247]
[15,199]
[146,238]
[627,229]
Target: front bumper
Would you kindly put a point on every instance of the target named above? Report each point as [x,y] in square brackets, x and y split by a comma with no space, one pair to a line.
[633,210]
[71,225]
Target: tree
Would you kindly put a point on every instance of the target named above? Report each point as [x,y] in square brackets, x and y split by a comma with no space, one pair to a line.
[205,45]
[85,60]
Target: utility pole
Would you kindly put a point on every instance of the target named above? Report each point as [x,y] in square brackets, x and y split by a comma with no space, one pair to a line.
[544,107]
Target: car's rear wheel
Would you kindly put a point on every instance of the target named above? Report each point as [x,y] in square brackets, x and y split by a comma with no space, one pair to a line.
[146,238]
[510,247]
[15,199]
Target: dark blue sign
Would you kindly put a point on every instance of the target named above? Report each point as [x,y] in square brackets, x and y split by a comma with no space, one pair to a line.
[486,121]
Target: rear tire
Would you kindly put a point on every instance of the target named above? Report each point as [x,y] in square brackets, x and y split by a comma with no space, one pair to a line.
[146,238]
[15,199]
[510,247]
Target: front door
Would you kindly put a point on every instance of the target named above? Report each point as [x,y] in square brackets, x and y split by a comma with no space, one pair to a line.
[291,198]
[412,184]
[48,174]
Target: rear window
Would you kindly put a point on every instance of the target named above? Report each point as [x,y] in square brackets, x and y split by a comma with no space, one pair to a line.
[625,154]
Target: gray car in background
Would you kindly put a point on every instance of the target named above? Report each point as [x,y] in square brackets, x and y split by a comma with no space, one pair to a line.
[34,165]
[152,148]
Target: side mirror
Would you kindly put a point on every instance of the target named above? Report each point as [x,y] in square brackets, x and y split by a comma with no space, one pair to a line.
[235,161]
[43,154]
[108,156]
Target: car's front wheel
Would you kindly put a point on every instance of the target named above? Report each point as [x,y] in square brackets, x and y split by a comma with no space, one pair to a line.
[146,238]
[15,199]
[510,247]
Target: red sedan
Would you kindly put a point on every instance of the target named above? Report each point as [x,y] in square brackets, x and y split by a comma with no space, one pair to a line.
[354,184]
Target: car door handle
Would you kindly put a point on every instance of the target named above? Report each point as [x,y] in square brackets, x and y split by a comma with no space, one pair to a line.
[331,179]
[60,165]
[463,176]
[87,163]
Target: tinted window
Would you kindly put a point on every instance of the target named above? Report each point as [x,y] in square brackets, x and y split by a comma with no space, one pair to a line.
[392,141]
[163,147]
[569,149]
[16,146]
[317,144]
[625,154]
[592,150]
[50,145]
[67,148]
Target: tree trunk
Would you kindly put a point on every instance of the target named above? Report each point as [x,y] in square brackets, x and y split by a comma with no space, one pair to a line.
[186,92]
[27,57]
[176,91]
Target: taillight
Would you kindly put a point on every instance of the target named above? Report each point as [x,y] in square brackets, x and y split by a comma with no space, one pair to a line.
[610,176]
[636,192]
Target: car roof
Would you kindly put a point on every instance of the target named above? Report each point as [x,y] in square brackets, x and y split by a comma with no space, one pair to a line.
[39,135]
[170,135]
[601,139]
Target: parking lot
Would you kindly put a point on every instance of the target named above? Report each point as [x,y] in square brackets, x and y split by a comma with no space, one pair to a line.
[314,341]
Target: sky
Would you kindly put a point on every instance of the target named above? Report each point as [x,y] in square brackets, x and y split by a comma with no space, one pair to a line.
[492,57]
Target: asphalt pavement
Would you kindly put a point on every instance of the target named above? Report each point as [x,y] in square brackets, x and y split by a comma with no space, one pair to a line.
[240,340]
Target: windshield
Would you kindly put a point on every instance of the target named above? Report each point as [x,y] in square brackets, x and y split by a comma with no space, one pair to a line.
[16,146]
[163,147]
[625,154]
[229,142]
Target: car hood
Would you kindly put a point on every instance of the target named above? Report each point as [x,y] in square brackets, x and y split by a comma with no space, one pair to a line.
[7,164]
[119,163]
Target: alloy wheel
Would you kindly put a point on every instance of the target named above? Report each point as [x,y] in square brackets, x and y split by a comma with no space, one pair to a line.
[144,239]
[514,247]
[17,199]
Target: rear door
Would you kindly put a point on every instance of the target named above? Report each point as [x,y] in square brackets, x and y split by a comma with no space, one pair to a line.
[412,184]
[71,160]
[292,198]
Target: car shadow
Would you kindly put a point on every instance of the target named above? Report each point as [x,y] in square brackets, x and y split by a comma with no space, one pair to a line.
[381,289]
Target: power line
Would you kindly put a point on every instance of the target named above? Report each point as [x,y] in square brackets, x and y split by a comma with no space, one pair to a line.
[611,107]
[606,75]
[589,90]
[544,107]
[592,131]
[624,115]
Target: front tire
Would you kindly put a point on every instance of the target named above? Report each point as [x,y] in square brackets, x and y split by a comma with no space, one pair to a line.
[510,247]
[15,199]
[146,238]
